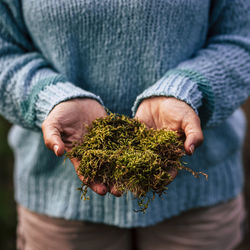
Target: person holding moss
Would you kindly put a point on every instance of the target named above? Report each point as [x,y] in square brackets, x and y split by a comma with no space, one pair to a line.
[180,65]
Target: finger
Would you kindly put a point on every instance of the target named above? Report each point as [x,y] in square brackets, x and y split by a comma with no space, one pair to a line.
[141,117]
[115,192]
[76,164]
[173,173]
[98,188]
[194,135]
[52,139]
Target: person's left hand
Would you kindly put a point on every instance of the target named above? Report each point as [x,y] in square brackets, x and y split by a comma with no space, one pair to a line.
[172,114]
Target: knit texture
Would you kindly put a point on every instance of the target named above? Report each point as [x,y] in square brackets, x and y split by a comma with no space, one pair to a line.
[119,53]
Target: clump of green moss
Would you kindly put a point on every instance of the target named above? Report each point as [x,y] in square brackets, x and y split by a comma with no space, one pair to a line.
[122,152]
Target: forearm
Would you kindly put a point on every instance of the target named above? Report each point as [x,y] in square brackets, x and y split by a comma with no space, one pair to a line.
[216,80]
[29,86]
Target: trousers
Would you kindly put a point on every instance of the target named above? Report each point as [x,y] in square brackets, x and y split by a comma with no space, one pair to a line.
[218,227]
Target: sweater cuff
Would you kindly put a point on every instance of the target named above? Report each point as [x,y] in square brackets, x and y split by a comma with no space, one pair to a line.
[54,94]
[173,84]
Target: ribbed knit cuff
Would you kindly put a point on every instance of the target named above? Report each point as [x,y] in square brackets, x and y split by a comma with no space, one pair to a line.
[52,95]
[173,84]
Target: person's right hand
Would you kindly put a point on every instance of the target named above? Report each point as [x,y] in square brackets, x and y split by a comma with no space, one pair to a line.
[65,125]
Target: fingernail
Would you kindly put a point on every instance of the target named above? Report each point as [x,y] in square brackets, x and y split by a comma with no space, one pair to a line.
[191,149]
[55,149]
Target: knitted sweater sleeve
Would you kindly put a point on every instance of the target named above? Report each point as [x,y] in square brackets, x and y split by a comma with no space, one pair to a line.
[29,86]
[216,80]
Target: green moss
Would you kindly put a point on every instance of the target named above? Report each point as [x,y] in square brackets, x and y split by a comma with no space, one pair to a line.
[122,152]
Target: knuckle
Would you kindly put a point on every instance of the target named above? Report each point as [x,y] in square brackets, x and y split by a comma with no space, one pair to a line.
[200,139]
[47,142]
[44,124]
[43,127]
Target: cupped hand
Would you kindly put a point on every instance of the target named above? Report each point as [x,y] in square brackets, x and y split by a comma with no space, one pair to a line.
[65,125]
[172,114]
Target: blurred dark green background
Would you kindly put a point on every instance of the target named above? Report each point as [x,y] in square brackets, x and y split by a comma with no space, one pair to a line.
[7,204]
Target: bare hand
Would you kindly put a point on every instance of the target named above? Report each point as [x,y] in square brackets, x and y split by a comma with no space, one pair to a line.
[172,114]
[65,125]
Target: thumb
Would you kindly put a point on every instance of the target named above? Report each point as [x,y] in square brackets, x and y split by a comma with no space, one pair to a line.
[52,138]
[194,136]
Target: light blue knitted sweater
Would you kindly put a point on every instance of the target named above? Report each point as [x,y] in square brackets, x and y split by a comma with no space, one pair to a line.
[120,52]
